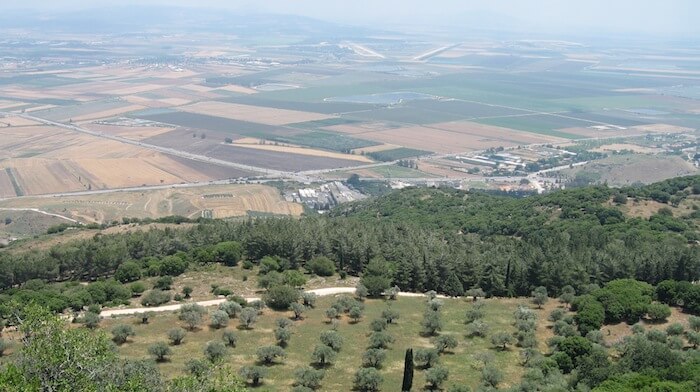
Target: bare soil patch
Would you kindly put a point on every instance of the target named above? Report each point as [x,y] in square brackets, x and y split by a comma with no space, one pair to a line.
[255,114]
[306,151]
[224,201]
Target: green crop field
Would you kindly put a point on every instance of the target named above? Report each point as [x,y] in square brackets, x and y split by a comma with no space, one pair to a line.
[397,153]
[326,140]
[542,124]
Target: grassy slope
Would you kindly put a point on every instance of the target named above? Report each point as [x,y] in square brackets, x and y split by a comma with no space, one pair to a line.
[463,363]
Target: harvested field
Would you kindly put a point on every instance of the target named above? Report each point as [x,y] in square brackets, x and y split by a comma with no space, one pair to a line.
[38,176]
[442,169]
[277,160]
[238,89]
[361,127]
[315,107]
[53,160]
[15,121]
[6,187]
[133,133]
[86,110]
[108,113]
[456,137]
[304,151]
[624,170]
[5,105]
[254,114]
[140,88]
[211,123]
[497,133]
[539,123]
[239,200]
[629,147]
[590,132]
[381,147]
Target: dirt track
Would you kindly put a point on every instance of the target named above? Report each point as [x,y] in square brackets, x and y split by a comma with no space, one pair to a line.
[214,302]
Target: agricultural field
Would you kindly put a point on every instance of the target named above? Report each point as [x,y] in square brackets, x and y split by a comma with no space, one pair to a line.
[464,363]
[47,160]
[129,112]
[628,169]
[223,201]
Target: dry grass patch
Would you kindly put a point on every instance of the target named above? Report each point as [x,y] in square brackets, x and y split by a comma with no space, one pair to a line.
[305,151]
[255,114]
[224,201]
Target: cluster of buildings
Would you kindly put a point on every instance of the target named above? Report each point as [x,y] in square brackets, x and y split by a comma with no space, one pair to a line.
[325,196]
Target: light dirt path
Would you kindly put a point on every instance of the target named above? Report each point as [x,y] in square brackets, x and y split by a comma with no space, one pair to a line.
[40,212]
[169,308]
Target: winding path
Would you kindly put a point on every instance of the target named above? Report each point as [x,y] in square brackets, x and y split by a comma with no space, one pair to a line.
[41,212]
[213,302]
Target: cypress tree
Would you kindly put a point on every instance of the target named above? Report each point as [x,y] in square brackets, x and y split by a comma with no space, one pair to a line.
[408,371]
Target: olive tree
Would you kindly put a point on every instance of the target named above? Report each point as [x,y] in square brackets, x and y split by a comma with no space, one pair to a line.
[323,355]
[502,340]
[308,377]
[332,339]
[390,315]
[355,314]
[491,376]
[368,380]
[309,299]
[231,308]
[431,323]
[477,328]
[229,338]
[373,357]
[282,335]
[444,343]
[159,350]
[298,310]
[91,320]
[269,354]
[539,296]
[254,374]
[248,317]
[218,319]
[176,335]
[436,376]
[192,315]
[121,333]
[214,351]
[380,339]
[426,358]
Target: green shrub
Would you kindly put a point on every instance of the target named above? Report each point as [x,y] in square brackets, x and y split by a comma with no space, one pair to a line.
[155,298]
[129,271]
[281,297]
[321,266]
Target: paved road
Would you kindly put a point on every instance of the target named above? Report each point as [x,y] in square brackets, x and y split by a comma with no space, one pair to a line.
[169,308]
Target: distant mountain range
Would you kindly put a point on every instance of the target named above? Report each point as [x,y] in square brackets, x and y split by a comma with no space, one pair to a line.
[130,19]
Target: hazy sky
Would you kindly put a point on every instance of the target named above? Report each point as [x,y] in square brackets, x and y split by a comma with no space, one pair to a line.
[667,17]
